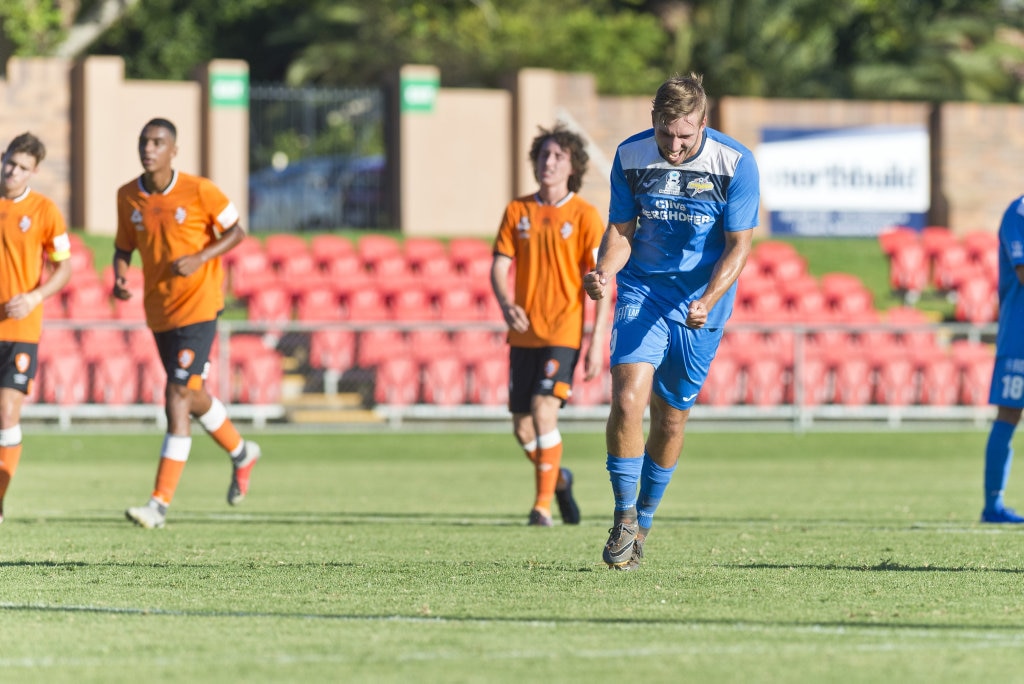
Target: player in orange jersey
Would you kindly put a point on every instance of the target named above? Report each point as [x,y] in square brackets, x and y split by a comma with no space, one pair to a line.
[180,225]
[552,236]
[30,226]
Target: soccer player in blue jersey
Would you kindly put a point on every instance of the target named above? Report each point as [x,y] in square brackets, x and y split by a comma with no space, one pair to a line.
[1007,392]
[684,203]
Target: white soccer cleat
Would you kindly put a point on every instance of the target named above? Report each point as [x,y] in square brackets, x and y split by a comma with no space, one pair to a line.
[149,516]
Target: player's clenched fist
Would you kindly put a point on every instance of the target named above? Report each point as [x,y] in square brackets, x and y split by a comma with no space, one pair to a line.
[594,283]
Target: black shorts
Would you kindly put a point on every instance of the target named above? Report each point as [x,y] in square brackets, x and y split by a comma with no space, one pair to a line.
[546,371]
[185,352]
[18,364]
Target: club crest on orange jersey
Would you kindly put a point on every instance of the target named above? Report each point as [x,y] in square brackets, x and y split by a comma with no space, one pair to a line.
[25,223]
[550,368]
[185,358]
[22,361]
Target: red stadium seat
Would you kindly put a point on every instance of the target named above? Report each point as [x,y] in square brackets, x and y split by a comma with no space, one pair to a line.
[466,250]
[115,380]
[153,380]
[57,342]
[488,384]
[724,384]
[940,384]
[89,302]
[980,242]
[909,269]
[896,382]
[269,305]
[332,348]
[975,380]
[480,343]
[324,247]
[365,304]
[893,238]
[301,272]
[765,382]
[977,301]
[444,382]
[936,240]
[457,304]
[378,345]
[420,249]
[283,247]
[64,380]
[97,343]
[371,248]
[950,266]
[318,304]
[814,378]
[853,382]
[594,392]
[410,303]
[251,272]
[258,378]
[426,344]
[397,382]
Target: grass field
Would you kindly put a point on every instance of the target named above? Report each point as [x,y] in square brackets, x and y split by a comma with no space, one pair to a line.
[400,557]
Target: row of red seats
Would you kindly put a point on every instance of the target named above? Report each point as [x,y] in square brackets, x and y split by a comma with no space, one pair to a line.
[775,286]
[340,349]
[964,268]
[856,375]
[121,367]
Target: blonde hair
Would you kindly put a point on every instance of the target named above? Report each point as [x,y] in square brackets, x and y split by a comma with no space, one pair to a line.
[680,96]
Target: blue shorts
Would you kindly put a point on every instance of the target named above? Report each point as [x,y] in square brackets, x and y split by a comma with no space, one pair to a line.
[681,356]
[1007,383]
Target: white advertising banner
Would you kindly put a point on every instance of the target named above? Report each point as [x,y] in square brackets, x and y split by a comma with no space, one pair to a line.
[844,181]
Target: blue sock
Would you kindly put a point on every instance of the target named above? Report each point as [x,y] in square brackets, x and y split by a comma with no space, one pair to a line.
[998,457]
[653,481]
[625,476]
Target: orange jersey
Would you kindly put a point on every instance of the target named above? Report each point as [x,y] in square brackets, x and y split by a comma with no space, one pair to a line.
[552,247]
[30,226]
[182,220]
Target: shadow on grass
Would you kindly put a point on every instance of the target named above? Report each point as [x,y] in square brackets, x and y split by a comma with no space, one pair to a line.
[840,626]
[884,566]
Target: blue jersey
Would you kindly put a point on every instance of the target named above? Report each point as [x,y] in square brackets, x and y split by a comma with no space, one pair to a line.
[1010,338]
[683,213]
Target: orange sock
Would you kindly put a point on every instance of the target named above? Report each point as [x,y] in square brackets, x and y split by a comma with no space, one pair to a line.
[228,437]
[9,457]
[216,422]
[548,461]
[167,476]
[173,457]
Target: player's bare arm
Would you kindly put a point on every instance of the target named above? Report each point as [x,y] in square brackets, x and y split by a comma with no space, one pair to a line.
[189,264]
[21,305]
[616,246]
[727,270]
[515,315]
[122,262]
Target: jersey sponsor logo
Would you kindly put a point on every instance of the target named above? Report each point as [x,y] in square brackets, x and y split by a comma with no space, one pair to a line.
[180,214]
[699,185]
[25,223]
[186,357]
[626,313]
[523,228]
[137,220]
[1014,366]
[551,367]
[22,361]
[1017,250]
[691,396]
[673,183]
[566,230]
[666,210]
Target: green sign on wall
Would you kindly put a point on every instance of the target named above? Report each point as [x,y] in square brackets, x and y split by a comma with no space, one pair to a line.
[229,90]
[419,94]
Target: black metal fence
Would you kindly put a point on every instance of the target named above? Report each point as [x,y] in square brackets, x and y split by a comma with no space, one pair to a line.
[317,159]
